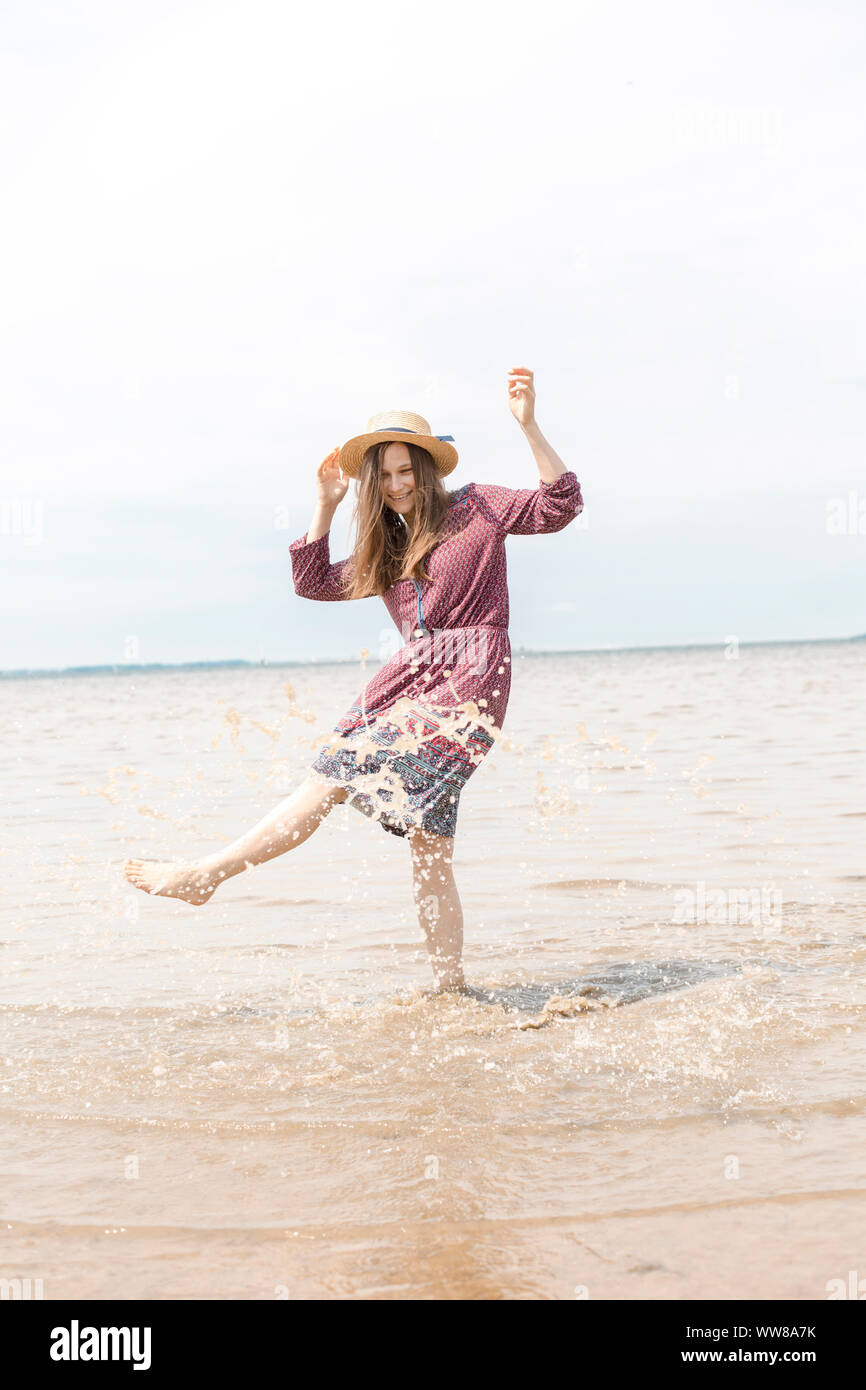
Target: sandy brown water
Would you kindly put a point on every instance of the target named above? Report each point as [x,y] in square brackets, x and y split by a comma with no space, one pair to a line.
[657,1092]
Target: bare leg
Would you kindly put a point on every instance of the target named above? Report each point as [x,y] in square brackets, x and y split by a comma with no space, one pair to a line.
[438,903]
[288,825]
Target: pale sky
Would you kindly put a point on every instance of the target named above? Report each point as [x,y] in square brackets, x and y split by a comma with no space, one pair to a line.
[232,232]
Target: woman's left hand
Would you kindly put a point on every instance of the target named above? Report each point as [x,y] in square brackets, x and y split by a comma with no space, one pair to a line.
[521,395]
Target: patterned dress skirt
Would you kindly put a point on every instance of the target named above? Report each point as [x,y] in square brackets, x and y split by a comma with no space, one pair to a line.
[407,767]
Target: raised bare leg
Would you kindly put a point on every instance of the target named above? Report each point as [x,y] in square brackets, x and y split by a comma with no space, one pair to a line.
[438,903]
[289,824]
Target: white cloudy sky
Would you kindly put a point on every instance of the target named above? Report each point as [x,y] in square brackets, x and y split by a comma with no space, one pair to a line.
[233,231]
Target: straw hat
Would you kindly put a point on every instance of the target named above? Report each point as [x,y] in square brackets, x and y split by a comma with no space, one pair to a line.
[403,427]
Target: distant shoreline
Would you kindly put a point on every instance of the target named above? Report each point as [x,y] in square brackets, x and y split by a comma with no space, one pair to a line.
[142,668]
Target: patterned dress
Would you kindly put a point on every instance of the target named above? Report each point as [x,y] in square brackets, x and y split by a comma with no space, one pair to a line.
[420,727]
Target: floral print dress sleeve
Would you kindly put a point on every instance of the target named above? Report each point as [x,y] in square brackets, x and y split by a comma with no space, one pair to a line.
[313,574]
[529,511]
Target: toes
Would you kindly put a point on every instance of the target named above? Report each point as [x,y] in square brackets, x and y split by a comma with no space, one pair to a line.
[136,877]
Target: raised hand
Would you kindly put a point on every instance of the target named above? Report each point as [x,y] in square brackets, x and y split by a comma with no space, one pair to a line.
[332,483]
[521,395]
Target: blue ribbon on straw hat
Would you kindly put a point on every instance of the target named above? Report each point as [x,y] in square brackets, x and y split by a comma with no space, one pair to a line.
[390,425]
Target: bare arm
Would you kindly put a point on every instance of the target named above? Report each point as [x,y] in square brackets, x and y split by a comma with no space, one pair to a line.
[321,523]
[521,398]
[331,488]
[527,511]
[313,574]
[550,465]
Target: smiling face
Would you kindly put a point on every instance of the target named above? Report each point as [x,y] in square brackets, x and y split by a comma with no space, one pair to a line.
[397,480]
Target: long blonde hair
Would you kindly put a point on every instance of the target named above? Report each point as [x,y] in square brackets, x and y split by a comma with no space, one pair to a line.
[386,549]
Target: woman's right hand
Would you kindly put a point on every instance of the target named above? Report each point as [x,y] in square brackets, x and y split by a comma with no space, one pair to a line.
[332,483]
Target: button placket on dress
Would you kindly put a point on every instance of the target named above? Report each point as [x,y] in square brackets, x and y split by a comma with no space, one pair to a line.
[420,629]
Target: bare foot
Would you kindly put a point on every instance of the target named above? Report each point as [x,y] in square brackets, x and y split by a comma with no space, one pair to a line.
[170,880]
[455,987]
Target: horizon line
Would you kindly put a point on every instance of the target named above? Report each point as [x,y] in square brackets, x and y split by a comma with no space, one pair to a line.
[25,672]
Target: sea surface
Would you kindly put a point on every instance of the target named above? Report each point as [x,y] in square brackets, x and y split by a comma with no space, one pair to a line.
[658,1091]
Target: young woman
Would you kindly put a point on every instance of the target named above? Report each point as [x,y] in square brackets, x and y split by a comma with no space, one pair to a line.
[404,751]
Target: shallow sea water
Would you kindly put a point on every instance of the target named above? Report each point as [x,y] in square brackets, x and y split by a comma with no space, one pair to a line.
[657,1089]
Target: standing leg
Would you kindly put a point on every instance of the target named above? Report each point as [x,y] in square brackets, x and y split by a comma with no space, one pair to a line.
[288,825]
[438,903]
